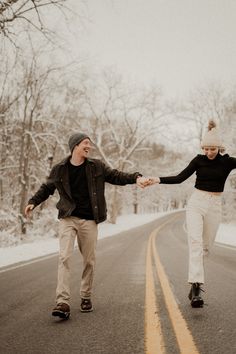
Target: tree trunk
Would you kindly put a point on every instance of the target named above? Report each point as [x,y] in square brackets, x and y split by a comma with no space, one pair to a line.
[24,163]
[135,203]
[114,205]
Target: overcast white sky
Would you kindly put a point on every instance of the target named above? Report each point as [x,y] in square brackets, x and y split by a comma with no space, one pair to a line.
[175,43]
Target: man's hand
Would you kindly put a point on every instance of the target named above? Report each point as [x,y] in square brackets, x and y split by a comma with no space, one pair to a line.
[142,181]
[28,210]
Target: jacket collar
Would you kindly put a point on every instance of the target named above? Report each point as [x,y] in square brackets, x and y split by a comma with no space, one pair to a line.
[66,160]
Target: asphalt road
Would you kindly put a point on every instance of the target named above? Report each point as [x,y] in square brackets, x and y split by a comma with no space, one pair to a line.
[213,326]
[117,325]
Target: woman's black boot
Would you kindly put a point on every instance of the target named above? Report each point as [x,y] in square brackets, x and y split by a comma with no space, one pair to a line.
[195,295]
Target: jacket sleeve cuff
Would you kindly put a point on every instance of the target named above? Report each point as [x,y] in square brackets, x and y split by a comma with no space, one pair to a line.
[137,174]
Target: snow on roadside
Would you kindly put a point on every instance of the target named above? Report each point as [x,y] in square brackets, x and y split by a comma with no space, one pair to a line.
[227,234]
[39,247]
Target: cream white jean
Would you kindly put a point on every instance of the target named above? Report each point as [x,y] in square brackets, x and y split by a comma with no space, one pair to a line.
[203,216]
[85,231]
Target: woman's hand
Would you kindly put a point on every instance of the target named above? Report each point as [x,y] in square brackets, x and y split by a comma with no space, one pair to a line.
[147,181]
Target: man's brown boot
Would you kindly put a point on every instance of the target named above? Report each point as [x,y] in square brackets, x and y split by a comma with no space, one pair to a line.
[61,310]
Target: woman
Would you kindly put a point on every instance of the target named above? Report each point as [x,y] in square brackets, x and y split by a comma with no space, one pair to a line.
[203,214]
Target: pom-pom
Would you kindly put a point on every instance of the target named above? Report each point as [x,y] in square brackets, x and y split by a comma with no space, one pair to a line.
[211,124]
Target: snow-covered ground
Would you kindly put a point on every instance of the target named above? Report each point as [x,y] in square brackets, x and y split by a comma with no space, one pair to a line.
[38,247]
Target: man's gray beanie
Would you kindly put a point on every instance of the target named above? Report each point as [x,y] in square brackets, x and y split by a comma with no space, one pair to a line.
[75,139]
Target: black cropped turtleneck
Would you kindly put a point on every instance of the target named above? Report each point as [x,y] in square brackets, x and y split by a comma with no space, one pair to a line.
[211,174]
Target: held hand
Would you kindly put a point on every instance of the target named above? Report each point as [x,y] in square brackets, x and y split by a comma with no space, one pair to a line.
[142,181]
[153,180]
[147,181]
[28,210]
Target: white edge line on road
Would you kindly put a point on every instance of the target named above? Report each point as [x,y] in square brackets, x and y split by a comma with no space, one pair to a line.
[25,263]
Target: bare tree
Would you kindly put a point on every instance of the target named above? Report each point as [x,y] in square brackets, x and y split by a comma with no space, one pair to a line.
[8,99]
[121,119]
[205,103]
[30,126]
[22,10]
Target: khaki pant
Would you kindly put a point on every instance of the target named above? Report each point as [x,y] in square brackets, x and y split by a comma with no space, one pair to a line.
[86,233]
[203,217]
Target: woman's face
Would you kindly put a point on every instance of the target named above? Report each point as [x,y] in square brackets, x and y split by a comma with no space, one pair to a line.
[210,151]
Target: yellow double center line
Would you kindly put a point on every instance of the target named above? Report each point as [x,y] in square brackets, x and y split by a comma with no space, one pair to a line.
[154,340]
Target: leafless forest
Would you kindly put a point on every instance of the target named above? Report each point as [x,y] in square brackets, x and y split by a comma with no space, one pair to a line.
[133,128]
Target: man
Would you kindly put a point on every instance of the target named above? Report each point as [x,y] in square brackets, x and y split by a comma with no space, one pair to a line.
[80,182]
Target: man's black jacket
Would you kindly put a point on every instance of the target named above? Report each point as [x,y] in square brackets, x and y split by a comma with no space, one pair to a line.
[97,174]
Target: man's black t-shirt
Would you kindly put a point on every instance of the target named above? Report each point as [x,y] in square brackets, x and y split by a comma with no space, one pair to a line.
[80,192]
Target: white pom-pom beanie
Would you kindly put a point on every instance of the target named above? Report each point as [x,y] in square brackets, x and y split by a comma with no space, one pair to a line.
[212,136]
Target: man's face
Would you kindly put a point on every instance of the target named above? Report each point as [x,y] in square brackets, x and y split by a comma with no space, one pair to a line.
[83,148]
[210,152]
